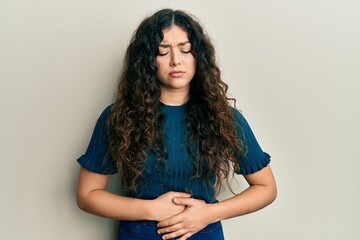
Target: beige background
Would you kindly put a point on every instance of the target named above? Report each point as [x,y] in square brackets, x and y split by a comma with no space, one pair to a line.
[292,65]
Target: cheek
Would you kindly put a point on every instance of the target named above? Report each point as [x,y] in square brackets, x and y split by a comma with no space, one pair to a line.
[160,70]
[193,64]
[159,65]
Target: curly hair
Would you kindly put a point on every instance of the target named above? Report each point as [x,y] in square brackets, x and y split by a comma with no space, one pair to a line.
[135,118]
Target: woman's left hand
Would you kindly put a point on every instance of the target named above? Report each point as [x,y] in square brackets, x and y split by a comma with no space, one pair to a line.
[195,217]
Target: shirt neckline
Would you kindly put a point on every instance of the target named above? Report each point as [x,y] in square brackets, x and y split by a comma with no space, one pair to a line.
[166,106]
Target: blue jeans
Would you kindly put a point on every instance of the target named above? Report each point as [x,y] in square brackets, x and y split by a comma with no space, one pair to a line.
[147,230]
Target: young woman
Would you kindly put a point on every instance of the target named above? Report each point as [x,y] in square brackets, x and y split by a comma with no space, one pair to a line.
[174,138]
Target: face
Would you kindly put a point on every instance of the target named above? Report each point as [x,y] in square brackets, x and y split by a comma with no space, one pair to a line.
[175,63]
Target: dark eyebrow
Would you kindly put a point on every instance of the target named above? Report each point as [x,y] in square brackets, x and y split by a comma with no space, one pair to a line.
[179,44]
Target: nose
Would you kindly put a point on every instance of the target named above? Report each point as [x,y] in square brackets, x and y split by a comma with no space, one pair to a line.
[175,58]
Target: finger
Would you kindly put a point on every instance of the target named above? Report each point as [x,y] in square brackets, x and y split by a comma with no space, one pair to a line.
[175,234]
[169,229]
[184,201]
[170,221]
[182,194]
[185,236]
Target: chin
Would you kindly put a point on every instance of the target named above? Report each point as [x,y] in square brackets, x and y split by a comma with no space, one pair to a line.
[177,85]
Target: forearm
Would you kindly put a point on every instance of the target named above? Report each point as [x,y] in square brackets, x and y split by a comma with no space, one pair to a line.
[250,200]
[109,205]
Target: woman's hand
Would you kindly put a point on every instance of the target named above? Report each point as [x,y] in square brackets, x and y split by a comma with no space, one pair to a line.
[163,207]
[196,216]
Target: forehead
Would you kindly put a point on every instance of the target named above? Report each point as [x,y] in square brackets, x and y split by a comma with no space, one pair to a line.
[174,35]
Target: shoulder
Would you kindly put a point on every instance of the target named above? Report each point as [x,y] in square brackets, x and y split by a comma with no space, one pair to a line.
[239,118]
[242,126]
[105,114]
[102,126]
[106,111]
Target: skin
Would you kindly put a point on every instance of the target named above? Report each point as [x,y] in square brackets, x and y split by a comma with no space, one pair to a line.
[92,197]
[177,213]
[176,66]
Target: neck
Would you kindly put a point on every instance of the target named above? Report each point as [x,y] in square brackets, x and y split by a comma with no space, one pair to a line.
[175,98]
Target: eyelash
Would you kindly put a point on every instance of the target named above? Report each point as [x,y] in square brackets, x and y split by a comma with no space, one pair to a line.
[164,54]
[186,51]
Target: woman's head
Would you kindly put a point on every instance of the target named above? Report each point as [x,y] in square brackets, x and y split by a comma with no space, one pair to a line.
[169,51]
[176,65]
[143,61]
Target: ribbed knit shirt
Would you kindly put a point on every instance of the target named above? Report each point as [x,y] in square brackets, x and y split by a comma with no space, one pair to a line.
[180,166]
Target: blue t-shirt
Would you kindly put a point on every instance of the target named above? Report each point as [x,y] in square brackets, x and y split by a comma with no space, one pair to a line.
[179,164]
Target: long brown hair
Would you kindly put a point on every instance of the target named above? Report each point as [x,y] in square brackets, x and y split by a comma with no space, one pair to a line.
[135,119]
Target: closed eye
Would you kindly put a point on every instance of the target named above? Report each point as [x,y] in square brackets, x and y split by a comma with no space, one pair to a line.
[186,51]
[163,54]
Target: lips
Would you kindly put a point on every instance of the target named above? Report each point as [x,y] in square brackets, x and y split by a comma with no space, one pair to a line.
[177,74]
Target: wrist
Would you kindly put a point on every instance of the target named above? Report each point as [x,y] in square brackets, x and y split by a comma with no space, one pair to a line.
[149,210]
[214,211]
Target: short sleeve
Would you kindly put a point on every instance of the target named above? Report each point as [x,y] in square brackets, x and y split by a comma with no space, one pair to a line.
[254,158]
[97,158]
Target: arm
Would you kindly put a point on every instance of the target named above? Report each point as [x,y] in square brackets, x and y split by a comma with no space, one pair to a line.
[261,192]
[92,197]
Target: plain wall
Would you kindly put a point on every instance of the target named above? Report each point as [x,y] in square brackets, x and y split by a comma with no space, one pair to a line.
[292,65]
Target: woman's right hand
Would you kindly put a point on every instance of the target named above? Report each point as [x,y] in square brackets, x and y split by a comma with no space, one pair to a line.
[163,206]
